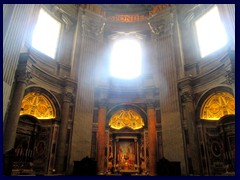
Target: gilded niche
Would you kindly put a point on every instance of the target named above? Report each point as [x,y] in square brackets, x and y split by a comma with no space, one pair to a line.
[218,105]
[126,118]
[37,105]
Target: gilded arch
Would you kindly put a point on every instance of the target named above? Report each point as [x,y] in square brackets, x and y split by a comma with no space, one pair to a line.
[217,105]
[37,104]
[135,108]
[126,118]
[49,99]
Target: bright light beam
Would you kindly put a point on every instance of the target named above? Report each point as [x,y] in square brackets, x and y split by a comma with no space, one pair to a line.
[46,34]
[126,59]
[211,33]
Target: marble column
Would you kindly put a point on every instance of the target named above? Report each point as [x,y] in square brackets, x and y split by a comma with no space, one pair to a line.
[62,137]
[190,126]
[101,139]
[152,138]
[11,123]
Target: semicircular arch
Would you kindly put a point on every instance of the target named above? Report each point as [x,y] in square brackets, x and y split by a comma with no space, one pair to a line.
[135,116]
[40,103]
[216,103]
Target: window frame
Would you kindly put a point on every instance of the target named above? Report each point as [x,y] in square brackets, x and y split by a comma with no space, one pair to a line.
[118,37]
[59,35]
[197,45]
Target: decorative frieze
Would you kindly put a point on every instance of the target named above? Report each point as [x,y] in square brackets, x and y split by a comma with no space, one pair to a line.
[127,18]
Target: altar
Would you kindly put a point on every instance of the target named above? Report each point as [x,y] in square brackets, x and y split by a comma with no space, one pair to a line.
[126,156]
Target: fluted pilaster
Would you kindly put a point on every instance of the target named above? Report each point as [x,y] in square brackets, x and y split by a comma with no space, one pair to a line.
[16,19]
[86,64]
[173,148]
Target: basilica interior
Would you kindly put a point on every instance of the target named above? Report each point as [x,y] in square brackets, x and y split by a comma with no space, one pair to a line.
[118,89]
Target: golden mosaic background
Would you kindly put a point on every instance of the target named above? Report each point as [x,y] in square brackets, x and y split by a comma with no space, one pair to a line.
[218,105]
[37,105]
[126,118]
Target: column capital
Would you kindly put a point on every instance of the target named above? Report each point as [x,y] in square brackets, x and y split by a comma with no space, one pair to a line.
[92,26]
[67,97]
[23,76]
[102,104]
[162,26]
[186,97]
[150,105]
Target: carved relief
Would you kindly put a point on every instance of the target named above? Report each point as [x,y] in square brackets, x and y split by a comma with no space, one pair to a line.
[162,26]
[92,27]
[217,106]
[126,118]
[38,105]
[67,97]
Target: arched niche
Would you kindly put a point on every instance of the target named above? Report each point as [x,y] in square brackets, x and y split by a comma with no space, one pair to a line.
[37,132]
[126,150]
[215,117]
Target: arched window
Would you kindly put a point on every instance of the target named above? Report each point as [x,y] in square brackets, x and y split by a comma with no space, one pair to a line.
[217,105]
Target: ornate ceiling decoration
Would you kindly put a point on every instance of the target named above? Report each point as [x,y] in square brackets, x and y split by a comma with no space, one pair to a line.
[126,12]
[38,105]
[126,118]
[218,105]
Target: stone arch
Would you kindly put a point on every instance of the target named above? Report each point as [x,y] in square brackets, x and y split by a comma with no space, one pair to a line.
[205,96]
